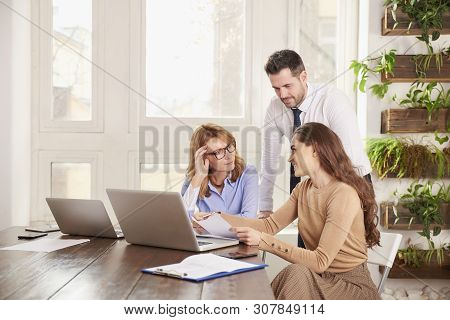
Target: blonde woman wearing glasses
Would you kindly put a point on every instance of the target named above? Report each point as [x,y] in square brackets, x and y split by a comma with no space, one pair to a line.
[217,179]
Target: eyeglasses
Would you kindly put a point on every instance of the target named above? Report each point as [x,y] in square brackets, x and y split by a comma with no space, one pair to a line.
[220,153]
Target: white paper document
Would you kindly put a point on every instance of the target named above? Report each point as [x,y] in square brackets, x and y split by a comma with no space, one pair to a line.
[201,265]
[218,226]
[46,245]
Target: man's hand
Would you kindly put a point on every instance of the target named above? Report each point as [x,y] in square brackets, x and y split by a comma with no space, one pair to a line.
[264,214]
[247,235]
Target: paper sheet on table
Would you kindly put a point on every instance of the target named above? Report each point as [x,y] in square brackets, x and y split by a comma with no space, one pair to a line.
[218,226]
[46,245]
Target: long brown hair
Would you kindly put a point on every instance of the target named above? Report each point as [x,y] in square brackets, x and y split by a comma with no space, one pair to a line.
[336,163]
[201,137]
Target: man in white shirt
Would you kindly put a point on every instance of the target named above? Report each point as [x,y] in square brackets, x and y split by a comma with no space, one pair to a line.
[298,101]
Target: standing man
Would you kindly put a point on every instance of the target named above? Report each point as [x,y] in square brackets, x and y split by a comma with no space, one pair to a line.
[298,101]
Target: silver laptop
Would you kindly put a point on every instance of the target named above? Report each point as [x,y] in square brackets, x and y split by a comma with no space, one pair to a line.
[82,218]
[159,219]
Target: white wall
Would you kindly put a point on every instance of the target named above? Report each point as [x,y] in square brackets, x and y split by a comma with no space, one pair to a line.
[14,113]
[370,116]
[5,115]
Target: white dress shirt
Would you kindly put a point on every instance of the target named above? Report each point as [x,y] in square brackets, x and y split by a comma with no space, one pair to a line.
[324,104]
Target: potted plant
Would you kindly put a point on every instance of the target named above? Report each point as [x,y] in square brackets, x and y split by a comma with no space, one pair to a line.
[429,209]
[425,108]
[427,18]
[415,257]
[432,66]
[401,158]
[426,206]
[419,209]
[415,262]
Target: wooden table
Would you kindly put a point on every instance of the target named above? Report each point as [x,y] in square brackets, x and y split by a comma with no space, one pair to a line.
[111,269]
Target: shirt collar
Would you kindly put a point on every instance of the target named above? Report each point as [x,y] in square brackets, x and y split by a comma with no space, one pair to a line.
[227,181]
[310,94]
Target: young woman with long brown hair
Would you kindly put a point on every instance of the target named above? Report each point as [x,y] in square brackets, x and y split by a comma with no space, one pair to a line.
[217,178]
[336,210]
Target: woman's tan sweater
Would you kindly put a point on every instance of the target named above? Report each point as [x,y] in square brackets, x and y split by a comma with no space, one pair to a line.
[331,223]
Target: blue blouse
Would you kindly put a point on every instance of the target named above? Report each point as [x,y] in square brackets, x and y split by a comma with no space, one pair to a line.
[239,197]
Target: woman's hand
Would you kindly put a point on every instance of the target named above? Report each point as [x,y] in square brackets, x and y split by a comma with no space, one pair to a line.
[198,228]
[202,215]
[198,216]
[247,235]
[201,164]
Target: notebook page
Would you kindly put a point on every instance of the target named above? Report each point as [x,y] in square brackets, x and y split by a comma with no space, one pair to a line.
[202,265]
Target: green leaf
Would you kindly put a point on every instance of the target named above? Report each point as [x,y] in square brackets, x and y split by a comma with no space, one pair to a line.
[436,231]
[435,35]
[380,90]
[362,85]
[422,233]
[440,140]
[409,25]
[356,66]
[421,38]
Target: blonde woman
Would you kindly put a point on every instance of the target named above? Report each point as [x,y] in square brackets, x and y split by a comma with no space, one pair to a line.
[217,179]
[336,210]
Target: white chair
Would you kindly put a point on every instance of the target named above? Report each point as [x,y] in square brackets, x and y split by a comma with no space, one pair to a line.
[384,255]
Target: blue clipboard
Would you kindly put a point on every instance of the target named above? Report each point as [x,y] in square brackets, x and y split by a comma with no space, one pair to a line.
[174,274]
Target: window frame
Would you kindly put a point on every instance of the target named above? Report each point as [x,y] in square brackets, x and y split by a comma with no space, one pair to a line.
[246,119]
[44,177]
[346,35]
[42,71]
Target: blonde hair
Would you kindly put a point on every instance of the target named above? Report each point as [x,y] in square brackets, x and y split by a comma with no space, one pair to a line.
[200,137]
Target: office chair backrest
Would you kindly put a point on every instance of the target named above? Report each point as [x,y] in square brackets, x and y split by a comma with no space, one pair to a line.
[384,255]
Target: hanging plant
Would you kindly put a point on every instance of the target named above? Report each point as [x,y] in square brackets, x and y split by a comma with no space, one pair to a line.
[403,158]
[431,96]
[415,257]
[423,61]
[424,205]
[383,64]
[428,14]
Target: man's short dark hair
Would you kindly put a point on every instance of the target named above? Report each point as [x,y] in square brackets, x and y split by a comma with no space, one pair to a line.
[283,59]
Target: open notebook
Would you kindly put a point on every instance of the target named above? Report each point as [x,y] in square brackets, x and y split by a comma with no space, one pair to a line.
[203,267]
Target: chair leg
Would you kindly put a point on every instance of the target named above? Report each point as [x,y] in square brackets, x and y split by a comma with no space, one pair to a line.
[383,278]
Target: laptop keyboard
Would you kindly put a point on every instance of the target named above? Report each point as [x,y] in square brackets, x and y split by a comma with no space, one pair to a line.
[203,243]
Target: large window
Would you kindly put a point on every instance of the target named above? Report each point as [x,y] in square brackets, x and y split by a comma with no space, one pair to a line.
[198,60]
[71,180]
[68,140]
[314,36]
[195,58]
[72,53]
